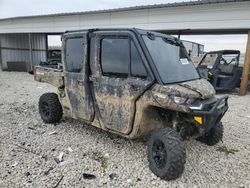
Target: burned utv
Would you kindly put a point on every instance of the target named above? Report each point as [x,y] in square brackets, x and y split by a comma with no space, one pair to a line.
[134,82]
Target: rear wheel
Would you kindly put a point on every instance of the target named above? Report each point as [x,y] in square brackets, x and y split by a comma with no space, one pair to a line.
[214,136]
[166,154]
[50,108]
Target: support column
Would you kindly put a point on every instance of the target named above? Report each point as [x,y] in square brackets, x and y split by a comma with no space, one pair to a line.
[246,68]
[30,50]
[1,61]
[179,35]
[47,46]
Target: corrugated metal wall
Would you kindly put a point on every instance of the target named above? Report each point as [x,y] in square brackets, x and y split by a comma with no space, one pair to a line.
[16,48]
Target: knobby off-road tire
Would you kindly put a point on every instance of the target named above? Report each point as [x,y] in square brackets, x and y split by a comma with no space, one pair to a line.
[214,136]
[166,154]
[50,108]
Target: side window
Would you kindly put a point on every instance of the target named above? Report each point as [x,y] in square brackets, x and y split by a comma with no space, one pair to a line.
[137,67]
[74,55]
[115,56]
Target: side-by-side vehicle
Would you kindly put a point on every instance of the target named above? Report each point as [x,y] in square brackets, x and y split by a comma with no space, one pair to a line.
[221,69]
[134,82]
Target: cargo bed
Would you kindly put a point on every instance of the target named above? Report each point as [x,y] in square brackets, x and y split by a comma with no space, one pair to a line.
[49,75]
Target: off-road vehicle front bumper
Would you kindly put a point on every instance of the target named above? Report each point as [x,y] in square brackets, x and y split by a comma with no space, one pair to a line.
[209,112]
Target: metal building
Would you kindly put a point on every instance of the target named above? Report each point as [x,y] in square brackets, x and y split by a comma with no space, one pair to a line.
[22,51]
[203,16]
[23,39]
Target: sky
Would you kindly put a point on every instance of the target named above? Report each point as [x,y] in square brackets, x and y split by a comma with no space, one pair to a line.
[13,8]
[219,42]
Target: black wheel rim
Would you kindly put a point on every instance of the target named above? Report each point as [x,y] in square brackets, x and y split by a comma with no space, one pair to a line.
[159,154]
[45,109]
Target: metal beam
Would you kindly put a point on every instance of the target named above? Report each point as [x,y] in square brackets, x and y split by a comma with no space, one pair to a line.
[246,69]
[30,48]
[206,32]
[46,46]
[229,17]
[1,61]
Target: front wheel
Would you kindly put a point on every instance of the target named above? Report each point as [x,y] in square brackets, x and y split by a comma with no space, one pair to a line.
[166,154]
[214,135]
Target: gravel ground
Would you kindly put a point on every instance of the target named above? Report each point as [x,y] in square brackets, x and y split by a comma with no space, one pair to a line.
[29,152]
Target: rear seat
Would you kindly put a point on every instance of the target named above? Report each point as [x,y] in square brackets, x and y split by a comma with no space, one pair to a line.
[226,70]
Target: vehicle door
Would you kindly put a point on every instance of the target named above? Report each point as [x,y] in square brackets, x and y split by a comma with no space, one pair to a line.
[76,76]
[228,72]
[120,75]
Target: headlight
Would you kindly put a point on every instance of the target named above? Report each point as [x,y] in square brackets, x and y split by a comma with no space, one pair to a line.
[175,99]
[190,101]
[179,100]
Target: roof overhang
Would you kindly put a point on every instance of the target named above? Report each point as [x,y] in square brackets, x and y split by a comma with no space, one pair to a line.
[194,17]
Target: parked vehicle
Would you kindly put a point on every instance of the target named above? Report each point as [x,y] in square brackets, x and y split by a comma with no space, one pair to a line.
[222,70]
[54,58]
[134,82]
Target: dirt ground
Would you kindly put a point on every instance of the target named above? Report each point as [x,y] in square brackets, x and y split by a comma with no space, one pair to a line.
[30,149]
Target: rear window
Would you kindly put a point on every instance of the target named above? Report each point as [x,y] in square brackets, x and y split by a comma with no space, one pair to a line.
[229,59]
[74,54]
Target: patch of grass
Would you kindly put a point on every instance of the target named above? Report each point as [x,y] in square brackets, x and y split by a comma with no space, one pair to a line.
[226,150]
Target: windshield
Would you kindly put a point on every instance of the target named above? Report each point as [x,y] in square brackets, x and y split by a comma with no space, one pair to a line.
[171,59]
[209,60]
[225,59]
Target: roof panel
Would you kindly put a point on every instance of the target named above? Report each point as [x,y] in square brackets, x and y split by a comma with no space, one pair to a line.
[177,4]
